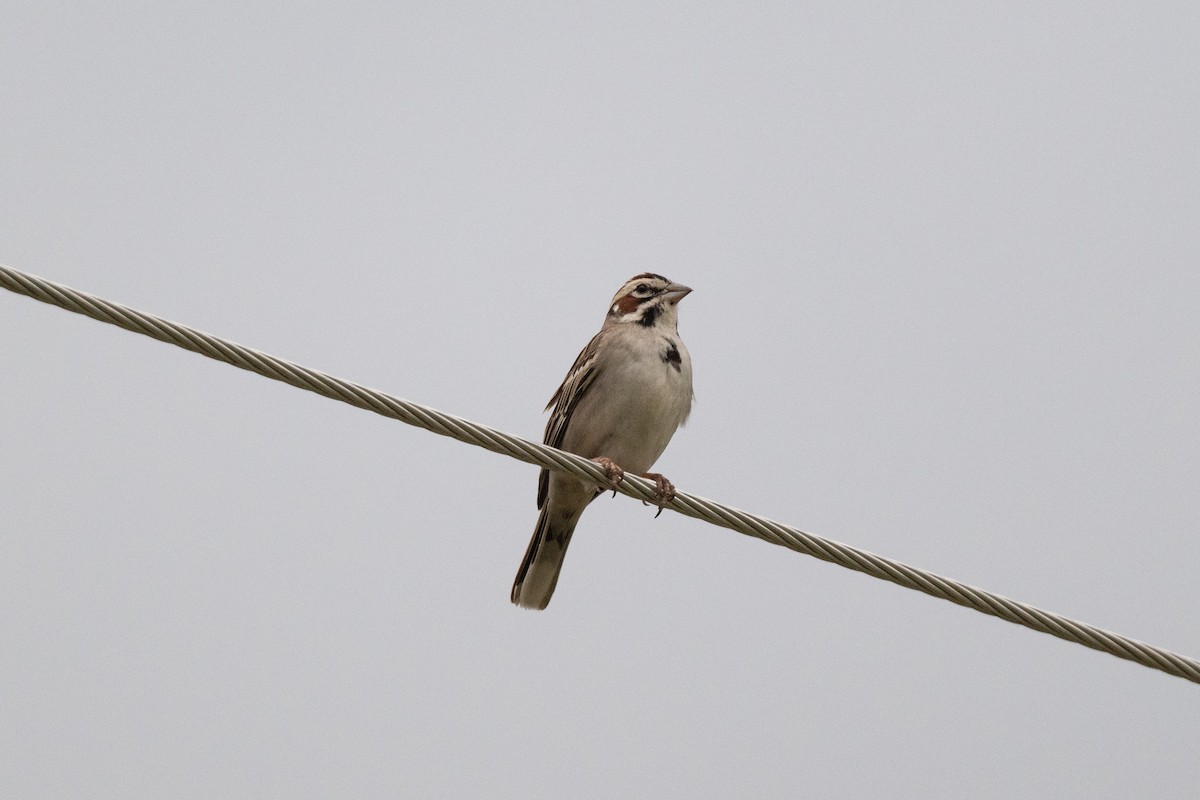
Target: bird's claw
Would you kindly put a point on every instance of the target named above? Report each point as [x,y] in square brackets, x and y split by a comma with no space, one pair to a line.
[612,472]
[664,490]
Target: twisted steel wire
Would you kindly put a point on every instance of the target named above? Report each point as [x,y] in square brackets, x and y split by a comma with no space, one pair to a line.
[634,486]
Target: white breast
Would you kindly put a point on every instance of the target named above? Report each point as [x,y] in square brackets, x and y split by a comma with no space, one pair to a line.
[637,401]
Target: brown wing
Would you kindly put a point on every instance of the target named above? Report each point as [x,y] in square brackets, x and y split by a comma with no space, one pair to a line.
[580,377]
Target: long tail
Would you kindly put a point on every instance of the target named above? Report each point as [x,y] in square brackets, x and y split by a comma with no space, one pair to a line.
[539,570]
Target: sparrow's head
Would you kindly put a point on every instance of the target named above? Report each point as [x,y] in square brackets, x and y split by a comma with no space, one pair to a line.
[647,299]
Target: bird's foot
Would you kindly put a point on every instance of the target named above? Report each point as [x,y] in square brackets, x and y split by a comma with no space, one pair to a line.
[611,471]
[664,490]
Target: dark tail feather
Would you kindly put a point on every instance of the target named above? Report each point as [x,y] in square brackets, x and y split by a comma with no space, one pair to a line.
[539,570]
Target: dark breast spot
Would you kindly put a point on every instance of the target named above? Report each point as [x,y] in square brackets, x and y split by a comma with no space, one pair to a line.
[671,355]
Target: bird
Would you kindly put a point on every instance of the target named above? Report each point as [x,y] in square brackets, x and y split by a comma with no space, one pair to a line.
[620,404]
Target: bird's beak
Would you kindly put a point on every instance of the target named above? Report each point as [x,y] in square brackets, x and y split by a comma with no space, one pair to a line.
[676,292]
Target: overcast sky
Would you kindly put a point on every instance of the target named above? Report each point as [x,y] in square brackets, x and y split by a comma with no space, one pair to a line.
[946,263]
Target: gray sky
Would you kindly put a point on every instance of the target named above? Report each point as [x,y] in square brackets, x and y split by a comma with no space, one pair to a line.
[946,288]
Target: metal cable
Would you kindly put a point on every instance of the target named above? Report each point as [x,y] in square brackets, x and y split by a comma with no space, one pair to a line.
[634,486]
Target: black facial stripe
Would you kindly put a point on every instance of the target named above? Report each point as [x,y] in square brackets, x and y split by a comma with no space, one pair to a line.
[647,285]
[650,315]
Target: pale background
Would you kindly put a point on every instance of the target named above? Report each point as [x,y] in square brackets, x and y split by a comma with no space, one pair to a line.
[946,264]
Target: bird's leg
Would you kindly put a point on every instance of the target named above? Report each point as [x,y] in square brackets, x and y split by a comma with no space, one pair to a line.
[613,472]
[664,490]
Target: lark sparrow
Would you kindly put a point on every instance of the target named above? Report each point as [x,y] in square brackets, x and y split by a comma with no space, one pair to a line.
[625,395]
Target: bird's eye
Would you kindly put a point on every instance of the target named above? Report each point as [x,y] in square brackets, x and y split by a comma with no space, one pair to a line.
[641,288]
